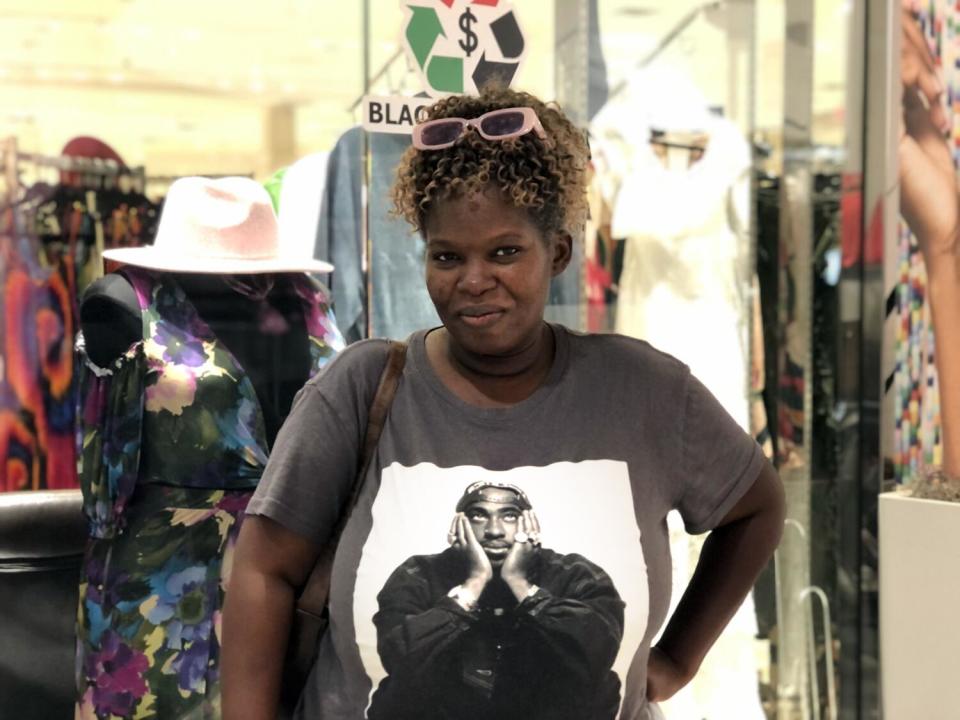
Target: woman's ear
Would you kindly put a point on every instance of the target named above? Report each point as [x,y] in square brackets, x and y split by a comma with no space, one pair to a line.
[562,251]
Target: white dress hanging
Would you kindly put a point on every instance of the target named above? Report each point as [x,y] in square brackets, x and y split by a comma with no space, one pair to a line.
[685,267]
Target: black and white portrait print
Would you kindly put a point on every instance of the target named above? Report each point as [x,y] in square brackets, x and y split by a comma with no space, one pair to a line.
[500,594]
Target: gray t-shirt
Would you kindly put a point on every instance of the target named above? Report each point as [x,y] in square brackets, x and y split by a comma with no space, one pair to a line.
[616,437]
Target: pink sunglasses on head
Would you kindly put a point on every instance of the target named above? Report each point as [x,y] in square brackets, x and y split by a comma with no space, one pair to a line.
[494,125]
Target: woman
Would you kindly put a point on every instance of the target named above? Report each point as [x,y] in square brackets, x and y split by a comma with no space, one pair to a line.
[602,427]
[930,202]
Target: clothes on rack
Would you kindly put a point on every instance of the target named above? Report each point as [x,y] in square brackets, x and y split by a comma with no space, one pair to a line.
[297,194]
[36,347]
[96,218]
[777,274]
[767,203]
[53,239]
[399,303]
[601,269]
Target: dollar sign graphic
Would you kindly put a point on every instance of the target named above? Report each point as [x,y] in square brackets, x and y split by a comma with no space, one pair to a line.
[470,40]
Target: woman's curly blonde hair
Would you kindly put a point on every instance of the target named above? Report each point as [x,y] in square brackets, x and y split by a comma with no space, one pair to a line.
[547,178]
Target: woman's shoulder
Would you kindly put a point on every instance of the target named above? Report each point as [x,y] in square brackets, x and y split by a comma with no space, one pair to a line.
[355,371]
[359,359]
[611,353]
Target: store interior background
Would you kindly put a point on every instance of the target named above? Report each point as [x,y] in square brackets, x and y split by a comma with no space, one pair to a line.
[244,88]
[226,88]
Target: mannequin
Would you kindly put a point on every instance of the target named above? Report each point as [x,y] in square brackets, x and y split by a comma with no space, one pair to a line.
[190,358]
[278,362]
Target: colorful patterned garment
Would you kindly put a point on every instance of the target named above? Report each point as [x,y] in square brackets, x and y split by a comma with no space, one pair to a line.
[172,445]
[37,316]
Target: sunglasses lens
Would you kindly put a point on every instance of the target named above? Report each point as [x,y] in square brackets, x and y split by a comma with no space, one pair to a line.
[503,124]
[441,133]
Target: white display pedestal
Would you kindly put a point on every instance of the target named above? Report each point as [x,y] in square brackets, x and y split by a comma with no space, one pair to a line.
[919,608]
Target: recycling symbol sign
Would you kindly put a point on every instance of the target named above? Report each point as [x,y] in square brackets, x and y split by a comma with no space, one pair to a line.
[459,45]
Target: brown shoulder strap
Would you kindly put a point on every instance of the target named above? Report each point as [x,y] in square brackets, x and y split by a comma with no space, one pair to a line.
[313,598]
[379,409]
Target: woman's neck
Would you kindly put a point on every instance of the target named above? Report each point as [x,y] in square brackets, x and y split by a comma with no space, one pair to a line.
[492,381]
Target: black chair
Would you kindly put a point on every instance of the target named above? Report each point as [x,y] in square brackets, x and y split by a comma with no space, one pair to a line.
[42,538]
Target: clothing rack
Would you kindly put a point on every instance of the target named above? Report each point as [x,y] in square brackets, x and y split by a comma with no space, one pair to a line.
[13,160]
[88,205]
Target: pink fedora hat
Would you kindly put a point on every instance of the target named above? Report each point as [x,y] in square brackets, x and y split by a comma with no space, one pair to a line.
[223,226]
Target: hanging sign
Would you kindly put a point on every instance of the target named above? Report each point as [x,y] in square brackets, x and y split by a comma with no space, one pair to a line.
[395,114]
[458,45]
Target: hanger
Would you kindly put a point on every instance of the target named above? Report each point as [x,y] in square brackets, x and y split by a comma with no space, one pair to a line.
[660,137]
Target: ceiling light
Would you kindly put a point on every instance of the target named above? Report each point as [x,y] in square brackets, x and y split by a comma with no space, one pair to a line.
[43,73]
[257,86]
[81,75]
[116,78]
[225,84]
[290,88]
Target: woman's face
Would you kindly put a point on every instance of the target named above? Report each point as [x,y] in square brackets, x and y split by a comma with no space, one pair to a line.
[488,272]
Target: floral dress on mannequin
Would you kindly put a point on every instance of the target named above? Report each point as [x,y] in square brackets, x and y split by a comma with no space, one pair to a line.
[173,443]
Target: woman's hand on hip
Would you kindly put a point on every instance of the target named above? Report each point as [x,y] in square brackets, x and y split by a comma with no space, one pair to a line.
[664,677]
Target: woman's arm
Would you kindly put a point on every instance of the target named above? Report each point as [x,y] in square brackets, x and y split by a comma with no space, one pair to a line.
[270,563]
[930,203]
[732,558]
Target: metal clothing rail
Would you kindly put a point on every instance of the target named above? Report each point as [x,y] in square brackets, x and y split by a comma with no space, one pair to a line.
[13,160]
[168,179]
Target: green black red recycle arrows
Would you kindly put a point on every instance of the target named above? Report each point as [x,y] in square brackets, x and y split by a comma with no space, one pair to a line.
[507,33]
[491,3]
[446,74]
[423,31]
